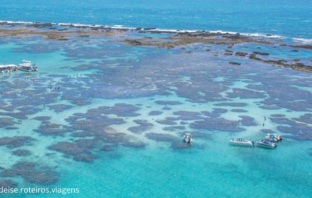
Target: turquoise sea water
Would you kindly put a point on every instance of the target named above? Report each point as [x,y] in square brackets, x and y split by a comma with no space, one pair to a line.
[114,126]
[111,73]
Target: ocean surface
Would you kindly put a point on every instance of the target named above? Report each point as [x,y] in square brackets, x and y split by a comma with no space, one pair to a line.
[109,118]
[287,18]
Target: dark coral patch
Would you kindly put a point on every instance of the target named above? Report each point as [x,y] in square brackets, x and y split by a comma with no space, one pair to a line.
[216,112]
[60,107]
[32,173]
[21,153]
[288,97]
[107,148]
[95,124]
[17,115]
[245,94]
[144,125]
[120,109]
[11,128]
[47,128]
[29,109]
[231,104]
[80,102]
[42,118]
[168,121]
[282,120]
[268,107]
[74,148]
[188,115]
[247,121]
[7,183]
[239,110]
[299,131]
[161,137]
[84,158]
[287,129]
[79,149]
[256,87]
[219,110]
[143,122]
[306,118]
[277,115]
[200,135]
[267,131]
[174,128]
[164,102]
[217,124]
[124,110]
[92,121]
[241,54]
[154,113]
[6,122]
[138,129]
[16,141]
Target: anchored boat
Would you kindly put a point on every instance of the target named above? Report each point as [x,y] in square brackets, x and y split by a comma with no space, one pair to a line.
[28,66]
[274,137]
[7,68]
[266,144]
[271,139]
[241,142]
[188,138]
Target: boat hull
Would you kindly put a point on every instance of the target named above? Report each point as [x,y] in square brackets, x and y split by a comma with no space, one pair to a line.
[271,139]
[272,136]
[242,144]
[266,146]
[188,141]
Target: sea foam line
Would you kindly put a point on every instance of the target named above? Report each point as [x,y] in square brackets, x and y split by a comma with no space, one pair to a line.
[159,30]
[302,40]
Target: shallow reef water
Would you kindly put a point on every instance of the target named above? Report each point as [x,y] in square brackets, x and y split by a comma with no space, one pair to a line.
[103,116]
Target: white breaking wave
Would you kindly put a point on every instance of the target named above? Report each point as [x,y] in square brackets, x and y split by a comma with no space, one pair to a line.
[302,40]
[78,25]
[17,22]
[264,35]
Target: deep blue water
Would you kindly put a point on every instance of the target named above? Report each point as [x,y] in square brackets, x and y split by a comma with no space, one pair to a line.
[283,17]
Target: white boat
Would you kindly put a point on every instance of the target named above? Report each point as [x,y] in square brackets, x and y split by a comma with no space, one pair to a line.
[241,142]
[266,144]
[28,66]
[188,138]
[271,139]
[275,136]
[7,68]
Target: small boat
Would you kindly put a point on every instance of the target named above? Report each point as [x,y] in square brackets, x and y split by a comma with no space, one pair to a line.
[188,138]
[275,136]
[241,142]
[271,139]
[28,66]
[266,144]
[7,68]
